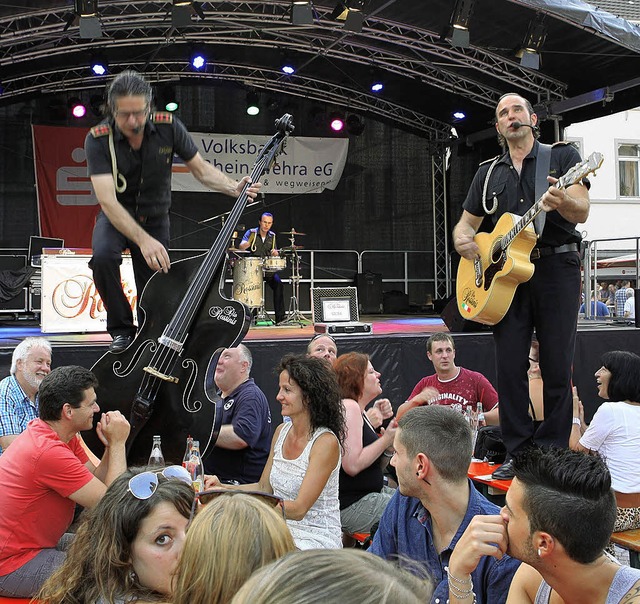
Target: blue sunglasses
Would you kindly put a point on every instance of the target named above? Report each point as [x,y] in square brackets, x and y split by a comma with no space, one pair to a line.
[145,484]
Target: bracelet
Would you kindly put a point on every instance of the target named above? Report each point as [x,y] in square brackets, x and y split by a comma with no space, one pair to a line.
[461,581]
[457,592]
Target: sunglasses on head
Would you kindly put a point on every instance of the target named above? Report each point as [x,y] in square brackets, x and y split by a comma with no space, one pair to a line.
[145,484]
[206,497]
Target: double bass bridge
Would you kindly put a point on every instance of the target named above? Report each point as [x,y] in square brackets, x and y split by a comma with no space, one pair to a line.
[161,376]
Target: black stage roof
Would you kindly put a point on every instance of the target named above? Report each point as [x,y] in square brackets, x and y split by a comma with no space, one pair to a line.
[589,60]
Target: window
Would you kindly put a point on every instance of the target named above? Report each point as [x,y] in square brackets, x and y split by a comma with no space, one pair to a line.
[628,166]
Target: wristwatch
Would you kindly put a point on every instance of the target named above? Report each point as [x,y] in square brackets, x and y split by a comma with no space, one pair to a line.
[577,421]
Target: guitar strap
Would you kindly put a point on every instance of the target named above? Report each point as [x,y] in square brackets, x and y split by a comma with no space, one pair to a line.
[543,163]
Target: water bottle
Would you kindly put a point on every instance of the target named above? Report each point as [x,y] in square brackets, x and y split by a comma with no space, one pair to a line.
[196,469]
[156,459]
[187,453]
[480,416]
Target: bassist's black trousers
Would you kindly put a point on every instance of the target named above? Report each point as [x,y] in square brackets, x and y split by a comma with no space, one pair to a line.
[548,303]
[108,244]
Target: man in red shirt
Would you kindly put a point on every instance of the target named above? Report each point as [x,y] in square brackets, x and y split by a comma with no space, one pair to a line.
[452,384]
[46,472]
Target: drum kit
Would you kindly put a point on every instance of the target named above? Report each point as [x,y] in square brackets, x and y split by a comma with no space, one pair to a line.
[248,279]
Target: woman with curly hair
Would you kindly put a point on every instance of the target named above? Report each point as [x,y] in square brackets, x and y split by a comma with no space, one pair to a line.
[127,547]
[233,535]
[363,495]
[304,461]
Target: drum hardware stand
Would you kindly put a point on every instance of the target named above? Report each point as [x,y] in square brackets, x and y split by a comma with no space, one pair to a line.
[295,317]
[262,316]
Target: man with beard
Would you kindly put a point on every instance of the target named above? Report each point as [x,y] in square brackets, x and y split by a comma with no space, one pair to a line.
[559,514]
[30,364]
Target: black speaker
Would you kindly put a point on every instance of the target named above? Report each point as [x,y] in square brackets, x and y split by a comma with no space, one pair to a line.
[369,287]
[456,322]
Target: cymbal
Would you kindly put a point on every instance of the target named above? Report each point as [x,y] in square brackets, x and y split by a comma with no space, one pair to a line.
[292,232]
[292,248]
[237,250]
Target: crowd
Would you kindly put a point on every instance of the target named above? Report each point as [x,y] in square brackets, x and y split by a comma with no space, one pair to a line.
[146,535]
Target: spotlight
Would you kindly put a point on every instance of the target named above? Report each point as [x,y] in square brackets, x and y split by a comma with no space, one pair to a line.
[98,66]
[529,53]
[166,98]
[302,12]
[287,66]
[355,125]
[458,30]
[96,103]
[336,121]
[78,110]
[198,60]
[350,11]
[86,8]
[377,87]
[252,103]
[459,115]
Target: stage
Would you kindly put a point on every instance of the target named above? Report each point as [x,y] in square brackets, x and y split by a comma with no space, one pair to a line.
[397,348]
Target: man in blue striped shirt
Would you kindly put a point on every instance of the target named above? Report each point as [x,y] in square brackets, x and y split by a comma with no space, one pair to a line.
[30,363]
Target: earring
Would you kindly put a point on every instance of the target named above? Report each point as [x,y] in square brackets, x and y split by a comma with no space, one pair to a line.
[539,553]
[417,473]
[133,577]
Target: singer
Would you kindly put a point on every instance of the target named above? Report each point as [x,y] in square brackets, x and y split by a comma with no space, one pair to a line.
[129,156]
[548,302]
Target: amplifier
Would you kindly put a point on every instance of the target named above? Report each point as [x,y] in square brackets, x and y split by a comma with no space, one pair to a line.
[344,329]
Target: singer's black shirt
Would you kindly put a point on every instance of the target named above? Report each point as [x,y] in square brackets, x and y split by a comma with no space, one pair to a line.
[148,170]
[516,192]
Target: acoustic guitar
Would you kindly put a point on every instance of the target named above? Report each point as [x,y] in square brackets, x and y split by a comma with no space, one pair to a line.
[486,285]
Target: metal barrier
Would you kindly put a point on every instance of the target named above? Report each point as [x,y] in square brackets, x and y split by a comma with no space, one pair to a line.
[621,257]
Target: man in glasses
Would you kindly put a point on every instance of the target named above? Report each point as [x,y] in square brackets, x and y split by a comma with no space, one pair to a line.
[244,442]
[45,472]
[129,156]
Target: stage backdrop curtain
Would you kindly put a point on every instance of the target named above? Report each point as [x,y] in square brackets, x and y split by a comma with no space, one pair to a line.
[67,206]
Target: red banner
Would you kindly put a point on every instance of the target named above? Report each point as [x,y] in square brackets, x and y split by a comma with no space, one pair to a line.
[67,206]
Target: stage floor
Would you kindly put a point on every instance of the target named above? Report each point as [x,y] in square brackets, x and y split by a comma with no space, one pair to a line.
[12,332]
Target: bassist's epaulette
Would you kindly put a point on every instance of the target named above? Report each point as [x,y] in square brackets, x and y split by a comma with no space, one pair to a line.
[486,161]
[162,117]
[100,130]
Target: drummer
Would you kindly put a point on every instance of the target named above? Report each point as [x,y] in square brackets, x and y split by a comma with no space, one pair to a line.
[261,241]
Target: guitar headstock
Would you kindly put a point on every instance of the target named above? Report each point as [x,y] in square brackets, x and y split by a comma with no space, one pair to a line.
[581,170]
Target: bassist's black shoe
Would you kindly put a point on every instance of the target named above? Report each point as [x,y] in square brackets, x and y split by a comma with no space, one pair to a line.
[504,472]
[120,343]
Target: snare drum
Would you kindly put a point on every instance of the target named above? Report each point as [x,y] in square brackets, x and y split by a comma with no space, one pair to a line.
[247,281]
[273,264]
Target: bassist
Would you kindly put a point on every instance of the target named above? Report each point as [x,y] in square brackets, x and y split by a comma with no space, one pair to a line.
[549,301]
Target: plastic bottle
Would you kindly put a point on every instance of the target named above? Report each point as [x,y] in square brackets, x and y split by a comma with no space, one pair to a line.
[196,469]
[480,416]
[187,453]
[156,459]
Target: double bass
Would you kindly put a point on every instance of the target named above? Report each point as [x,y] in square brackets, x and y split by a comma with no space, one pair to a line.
[163,381]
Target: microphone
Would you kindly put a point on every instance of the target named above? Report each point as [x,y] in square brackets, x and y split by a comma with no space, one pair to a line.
[517,125]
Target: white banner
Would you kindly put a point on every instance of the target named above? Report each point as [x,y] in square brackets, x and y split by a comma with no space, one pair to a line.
[70,300]
[307,165]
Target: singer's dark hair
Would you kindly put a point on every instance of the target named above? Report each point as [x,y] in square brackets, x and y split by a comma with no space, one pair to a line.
[536,131]
[128,83]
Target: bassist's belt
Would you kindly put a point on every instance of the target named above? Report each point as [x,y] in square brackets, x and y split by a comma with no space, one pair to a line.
[541,252]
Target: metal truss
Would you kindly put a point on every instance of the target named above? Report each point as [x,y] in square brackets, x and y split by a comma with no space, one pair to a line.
[440,213]
[144,25]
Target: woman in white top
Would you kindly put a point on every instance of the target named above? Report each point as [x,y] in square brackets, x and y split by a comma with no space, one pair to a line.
[304,461]
[614,431]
